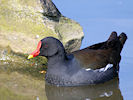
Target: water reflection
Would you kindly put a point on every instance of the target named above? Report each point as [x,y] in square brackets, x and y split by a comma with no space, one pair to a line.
[107,91]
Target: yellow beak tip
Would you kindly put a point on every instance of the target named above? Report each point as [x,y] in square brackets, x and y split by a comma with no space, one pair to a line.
[30,56]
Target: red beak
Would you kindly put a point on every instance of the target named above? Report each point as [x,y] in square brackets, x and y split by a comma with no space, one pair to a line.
[36,52]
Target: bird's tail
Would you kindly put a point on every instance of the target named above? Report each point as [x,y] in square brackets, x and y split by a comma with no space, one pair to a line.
[122,38]
[113,40]
[113,36]
[117,40]
[116,43]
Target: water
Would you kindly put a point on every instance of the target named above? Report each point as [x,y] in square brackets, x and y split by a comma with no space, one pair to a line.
[99,19]
[109,90]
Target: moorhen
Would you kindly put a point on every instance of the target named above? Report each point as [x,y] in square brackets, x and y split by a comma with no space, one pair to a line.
[99,55]
[68,69]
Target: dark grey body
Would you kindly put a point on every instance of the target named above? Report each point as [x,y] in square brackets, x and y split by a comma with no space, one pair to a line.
[68,69]
[68,72]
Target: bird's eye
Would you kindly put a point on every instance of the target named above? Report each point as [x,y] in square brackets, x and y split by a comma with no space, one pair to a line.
[46,46]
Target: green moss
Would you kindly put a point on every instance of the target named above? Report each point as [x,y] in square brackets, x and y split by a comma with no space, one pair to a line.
[32,3]
[21,17]
[11,62]
[24,27]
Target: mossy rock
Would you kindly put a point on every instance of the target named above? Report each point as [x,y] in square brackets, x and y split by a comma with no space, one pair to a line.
[22,24]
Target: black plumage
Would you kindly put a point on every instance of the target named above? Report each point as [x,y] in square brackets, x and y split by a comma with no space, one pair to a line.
[70,69]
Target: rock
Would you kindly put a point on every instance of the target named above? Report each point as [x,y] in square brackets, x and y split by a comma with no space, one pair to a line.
[70,33]
[50,9]
[24,22]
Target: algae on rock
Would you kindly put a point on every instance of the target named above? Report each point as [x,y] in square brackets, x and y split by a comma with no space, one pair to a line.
[22,24]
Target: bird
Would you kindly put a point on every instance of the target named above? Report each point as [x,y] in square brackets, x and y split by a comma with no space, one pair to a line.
[71,69]
[100,54]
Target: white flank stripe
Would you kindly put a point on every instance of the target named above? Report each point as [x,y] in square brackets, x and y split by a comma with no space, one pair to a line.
[105,68]
[102,69]
[108,66]
[88,69]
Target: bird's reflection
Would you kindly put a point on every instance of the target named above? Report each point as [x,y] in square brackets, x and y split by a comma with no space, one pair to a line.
[106,91]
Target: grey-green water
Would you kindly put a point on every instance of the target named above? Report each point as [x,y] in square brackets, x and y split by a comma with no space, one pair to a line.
[107,91]
[19,81]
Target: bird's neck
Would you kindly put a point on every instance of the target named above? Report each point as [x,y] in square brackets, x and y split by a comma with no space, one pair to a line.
[56,58]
